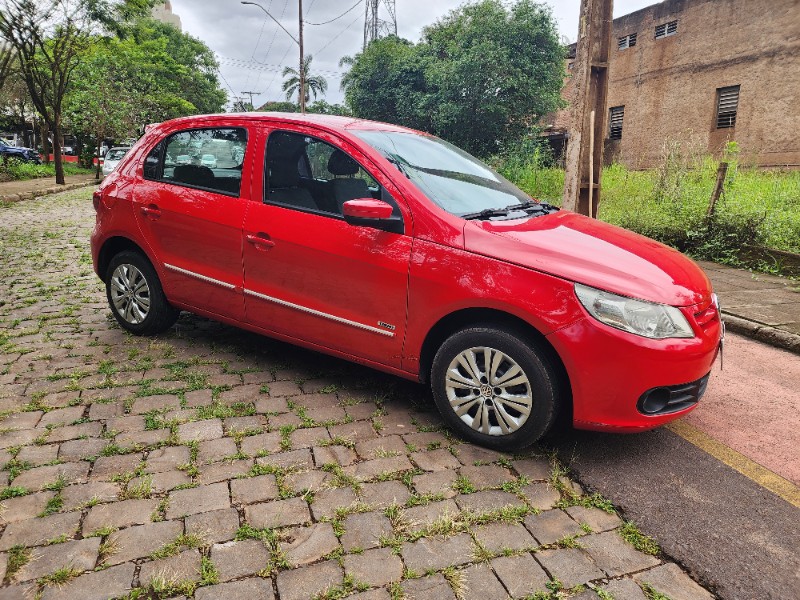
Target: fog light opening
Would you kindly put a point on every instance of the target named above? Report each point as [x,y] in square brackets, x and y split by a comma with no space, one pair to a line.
[656,400]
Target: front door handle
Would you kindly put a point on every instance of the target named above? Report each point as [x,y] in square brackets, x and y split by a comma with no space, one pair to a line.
[151,211]
[260,241]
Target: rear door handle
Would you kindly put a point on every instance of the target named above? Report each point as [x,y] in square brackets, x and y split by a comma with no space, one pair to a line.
[151,211]
[260,239]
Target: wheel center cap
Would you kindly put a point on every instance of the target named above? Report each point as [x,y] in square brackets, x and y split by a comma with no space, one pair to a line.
[486,391]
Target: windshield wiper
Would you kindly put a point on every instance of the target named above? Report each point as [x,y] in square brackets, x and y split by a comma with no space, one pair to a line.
[532,205]
[529,205]
[486,213]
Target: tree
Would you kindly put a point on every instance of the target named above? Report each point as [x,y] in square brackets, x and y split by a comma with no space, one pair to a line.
[314,84]
[481,77]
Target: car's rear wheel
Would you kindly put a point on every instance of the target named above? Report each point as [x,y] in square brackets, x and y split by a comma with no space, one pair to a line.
[494,388]
[135,295]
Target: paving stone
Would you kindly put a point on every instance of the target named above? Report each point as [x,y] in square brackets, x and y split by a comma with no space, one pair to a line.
[215,450]
[3,565]
[76,496]
[370,469]
[437,553]
[487,500]
[357,431]
[32,532]
[364,530]
[103,412]
[284,420]
[304,545]
[24,507]
[307,582]
[541,496]
[383,494]
[376,567]
[15,592]
[245,589]
[671,581]
[496,537]
[168,458]
[338,455]
[99,585]
[80,555]
[36,479]
[181,567]
[234,425]
[239,559]
[214,526]
[254,489]
[426,440]
[149,403]
[432,587]
[598,520]
[61,416]
[200,431]
[307,480]
[126,423]
[297,459]
[198,398]
[161,482]
[283,388]
[24,420]
[222,471]
[198,500]
[521,575]
[119,514]
[327,501]
[486,475]
[38,455]
[435,460]
[614,555]
[78,449]
[480,583]
[439,482]
[141,439]
[271,405]
[571,566]
[278,513]
[362,410]
[72,432]
[106,467]
[381,446]
[241,394]
[535,469]
[18,438]
[422,516]
[141,540]
[266,443]
[624,589]
[551,526]
[180,416]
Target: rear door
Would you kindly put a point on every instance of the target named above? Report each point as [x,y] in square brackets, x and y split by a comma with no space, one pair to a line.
[308,273]
[192,215]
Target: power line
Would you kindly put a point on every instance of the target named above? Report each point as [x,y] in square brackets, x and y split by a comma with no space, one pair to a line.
[336,18]
[255,65]
[337,36]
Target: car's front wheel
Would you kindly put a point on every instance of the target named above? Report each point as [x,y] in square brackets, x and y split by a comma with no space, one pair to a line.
[495,388]
[135,295]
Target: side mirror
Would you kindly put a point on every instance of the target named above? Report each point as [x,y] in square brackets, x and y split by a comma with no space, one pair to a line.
[368,212]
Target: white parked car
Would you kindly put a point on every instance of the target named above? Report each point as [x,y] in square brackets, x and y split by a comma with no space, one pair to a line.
[209,160]
[112,158]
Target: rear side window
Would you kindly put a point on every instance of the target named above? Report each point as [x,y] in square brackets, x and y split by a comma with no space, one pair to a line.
[209,159]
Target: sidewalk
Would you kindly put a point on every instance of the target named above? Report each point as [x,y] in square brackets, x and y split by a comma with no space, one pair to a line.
[14,191]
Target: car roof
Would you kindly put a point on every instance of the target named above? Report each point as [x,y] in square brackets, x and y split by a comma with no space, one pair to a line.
[119,148]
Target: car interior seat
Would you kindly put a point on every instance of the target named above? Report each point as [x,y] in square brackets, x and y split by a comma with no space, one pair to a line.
[345,186]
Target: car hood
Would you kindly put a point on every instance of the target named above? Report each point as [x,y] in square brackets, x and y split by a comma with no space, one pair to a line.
[594,253]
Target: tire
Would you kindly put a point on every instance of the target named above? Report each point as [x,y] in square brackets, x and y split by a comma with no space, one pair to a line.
[503,425]
[135,295]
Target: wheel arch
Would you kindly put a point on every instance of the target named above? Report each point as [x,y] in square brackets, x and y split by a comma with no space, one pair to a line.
[113,246]
[469,317]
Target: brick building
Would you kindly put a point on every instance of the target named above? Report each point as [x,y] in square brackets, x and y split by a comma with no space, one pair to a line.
[703,72]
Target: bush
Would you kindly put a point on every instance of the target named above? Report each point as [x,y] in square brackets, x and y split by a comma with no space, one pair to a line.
[16,170]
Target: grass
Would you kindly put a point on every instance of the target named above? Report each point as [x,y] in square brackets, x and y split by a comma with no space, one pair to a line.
[669,203]
[17,170]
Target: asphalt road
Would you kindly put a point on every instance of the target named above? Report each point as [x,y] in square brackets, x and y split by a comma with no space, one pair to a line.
[715,517]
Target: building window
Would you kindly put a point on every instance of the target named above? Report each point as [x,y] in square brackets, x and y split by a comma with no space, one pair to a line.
[616,114]
[666,29]
[727,105]
[627,41]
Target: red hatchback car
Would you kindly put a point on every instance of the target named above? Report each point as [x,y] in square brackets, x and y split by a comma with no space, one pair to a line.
[397,250]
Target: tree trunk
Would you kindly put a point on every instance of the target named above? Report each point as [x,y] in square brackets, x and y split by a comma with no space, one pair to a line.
[97,172]
[45,142]
[57,157]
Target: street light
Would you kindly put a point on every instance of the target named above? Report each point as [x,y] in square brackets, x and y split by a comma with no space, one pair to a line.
[299,42]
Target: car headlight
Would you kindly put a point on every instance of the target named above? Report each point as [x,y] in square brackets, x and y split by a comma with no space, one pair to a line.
[648,319]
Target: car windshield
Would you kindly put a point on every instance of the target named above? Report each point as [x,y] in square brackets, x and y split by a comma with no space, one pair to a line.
[3,144]
[115,154]
[448,176]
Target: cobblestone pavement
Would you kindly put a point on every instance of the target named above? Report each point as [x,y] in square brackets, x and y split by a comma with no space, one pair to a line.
[220,464]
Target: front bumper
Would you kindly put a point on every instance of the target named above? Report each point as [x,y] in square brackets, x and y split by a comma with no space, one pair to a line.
[611,371]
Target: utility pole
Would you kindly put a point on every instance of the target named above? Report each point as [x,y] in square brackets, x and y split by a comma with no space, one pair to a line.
[302,70]
[251,94]
[584,160]
[374,26]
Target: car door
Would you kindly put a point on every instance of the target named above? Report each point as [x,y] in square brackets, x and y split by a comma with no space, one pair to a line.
[192,216]
[308,273]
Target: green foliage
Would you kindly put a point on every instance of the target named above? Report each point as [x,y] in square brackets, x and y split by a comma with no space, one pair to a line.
[14,169]
[312,84]
[640,541]
[481,77]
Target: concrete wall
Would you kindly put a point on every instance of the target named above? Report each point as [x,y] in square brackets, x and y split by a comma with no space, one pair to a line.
[669,86]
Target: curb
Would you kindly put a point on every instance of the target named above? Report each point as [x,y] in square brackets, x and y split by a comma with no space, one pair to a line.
[763,333]
[56,189]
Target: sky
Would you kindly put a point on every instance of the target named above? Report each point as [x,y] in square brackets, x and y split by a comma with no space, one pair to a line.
[252,49]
